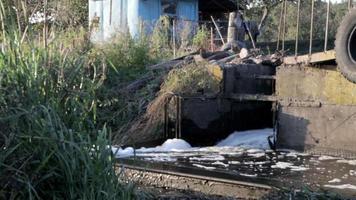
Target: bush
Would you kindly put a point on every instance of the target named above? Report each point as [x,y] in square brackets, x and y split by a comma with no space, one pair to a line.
[201,39]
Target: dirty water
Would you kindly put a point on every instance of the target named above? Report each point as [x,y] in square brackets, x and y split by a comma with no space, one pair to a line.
[290,168]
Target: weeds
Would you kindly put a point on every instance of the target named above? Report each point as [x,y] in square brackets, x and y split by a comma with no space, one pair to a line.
[61,97]
[52,141]
[191,80]
[201,39]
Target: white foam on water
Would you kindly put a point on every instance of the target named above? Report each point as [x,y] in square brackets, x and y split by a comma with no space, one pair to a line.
[208,158]
[282,165]
[287,165]
[169,145]
[204,167]
[248,175]
[335,180]
[299,168]
[256,163]
[257,155]
[123,153]
[248,139]
[254,151]
[292,154]
[161,159]
[350,162]
[234,162]
[232,145]
[322,158]
[220,163]
[342,187]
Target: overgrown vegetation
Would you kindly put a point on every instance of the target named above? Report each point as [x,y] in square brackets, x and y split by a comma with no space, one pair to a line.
[63,99]
[190,80]
[59,99]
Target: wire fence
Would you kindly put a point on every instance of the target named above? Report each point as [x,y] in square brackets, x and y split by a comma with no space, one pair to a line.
[281,38]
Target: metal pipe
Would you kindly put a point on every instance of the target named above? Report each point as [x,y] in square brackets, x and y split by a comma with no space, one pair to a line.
[284,26]
[211,39]
[180,117]
[297,33]
[45,27]
[217,28]
[174,38]
[280,25]
[250,35]
[166,120]
[311,28]
[110,17]
[327,26]
[177,117]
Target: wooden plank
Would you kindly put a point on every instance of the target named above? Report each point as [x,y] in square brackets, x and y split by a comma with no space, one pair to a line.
[311,59]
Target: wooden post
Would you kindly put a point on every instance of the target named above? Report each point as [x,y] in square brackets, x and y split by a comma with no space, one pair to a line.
[231,32]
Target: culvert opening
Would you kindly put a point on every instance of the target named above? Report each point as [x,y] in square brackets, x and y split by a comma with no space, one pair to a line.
[207,121]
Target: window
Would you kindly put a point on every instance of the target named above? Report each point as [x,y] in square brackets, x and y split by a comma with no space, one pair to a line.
[169,7]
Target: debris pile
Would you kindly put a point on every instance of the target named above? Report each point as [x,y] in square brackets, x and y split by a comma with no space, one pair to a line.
[187,76]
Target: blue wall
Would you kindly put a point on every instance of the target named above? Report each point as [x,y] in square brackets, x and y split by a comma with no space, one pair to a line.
[112,15]
[188,10]
[128,15]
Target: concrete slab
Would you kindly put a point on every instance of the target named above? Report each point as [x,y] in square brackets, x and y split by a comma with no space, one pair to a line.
[326,119]
[329,128]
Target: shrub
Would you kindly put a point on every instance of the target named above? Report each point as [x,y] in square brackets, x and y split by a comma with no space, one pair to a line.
[201,39]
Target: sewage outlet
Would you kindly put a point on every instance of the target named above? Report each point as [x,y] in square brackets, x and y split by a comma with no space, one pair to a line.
[245,103]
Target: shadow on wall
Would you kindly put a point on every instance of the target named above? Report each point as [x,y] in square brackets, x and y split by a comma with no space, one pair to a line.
[293,132]
[206,122]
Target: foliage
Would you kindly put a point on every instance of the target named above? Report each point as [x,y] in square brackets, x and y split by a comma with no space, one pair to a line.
[160,39]
[52,102]
[270,29]
[201,39]
[68,13]
[191,79]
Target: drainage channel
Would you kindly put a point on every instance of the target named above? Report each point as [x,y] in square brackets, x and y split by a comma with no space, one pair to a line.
[150,174]
[242,173]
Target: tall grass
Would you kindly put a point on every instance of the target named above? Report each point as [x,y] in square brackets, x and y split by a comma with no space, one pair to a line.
[60,99]
[52,143]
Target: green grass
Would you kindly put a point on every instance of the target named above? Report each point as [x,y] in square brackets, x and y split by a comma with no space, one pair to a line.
[54,141]
[62,103]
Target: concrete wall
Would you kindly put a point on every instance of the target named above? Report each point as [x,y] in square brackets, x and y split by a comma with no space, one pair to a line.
[317,110]
[206,121]
[239,79]
[310,83]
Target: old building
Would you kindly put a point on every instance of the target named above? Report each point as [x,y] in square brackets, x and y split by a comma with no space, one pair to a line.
[108,17]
